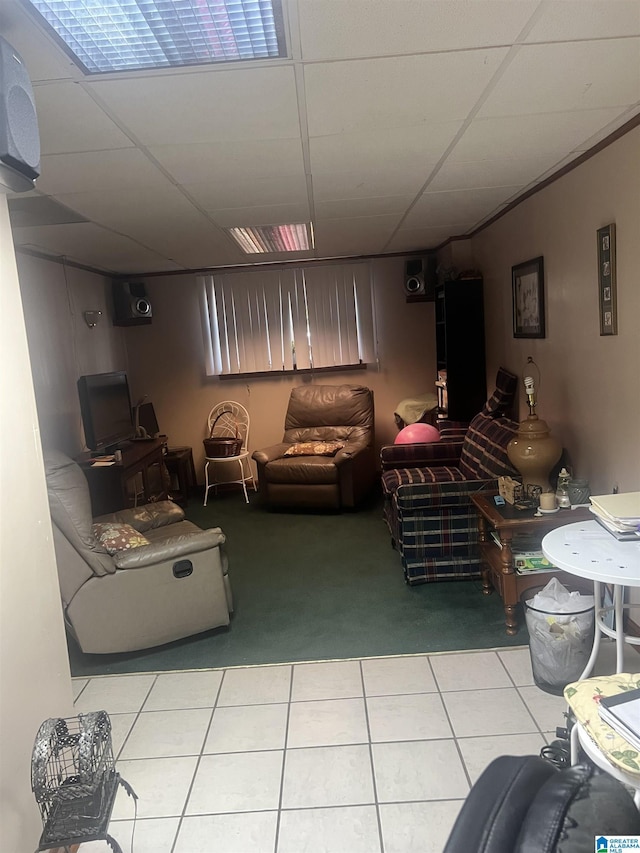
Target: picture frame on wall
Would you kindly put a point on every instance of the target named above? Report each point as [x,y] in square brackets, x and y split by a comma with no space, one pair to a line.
[607,280]
[527,282]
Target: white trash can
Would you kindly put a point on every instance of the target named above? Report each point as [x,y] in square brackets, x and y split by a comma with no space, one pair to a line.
[560,625]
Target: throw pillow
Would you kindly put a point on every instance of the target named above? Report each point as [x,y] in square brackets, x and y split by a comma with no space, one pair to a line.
[314,448]
[116,537]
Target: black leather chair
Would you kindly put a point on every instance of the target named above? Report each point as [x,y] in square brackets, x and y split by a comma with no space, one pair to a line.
[524,804]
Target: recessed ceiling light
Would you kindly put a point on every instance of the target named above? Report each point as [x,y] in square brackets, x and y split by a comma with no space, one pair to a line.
[127,35]
[257,239]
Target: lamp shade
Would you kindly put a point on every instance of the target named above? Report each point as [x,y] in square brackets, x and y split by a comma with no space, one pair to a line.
[534,452]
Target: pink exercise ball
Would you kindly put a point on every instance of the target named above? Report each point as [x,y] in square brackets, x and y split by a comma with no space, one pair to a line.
[417,434]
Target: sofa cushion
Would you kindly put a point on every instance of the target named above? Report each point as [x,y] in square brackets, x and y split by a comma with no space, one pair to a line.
[70,508]
[118,537]
[307,470]
[502,398]
[412,476]
[484,451]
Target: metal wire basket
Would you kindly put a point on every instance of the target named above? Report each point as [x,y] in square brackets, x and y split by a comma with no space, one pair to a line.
[74,780]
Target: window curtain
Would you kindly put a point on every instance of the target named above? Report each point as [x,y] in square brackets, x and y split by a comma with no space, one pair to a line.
[287,319]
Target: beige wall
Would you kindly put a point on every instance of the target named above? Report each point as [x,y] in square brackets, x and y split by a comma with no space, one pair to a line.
[35,683]
[590,385]
[62,346]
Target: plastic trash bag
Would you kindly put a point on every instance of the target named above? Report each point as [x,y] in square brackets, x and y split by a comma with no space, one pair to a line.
[560,624]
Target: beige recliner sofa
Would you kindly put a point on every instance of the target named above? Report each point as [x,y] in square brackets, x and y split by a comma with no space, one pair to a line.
[174,586]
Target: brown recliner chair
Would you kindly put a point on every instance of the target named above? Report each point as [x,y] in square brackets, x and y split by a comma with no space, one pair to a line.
[321,477]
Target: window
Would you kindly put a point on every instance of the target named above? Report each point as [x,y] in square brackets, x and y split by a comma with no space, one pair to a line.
[287,319]
[128,35]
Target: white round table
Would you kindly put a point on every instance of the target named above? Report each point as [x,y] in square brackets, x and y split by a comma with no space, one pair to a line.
[587,550]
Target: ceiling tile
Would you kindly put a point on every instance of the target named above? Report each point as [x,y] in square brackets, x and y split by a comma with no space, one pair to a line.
[364,234]
[248,159]
[508,171]
[575,76]
[418,239]
[417,146]
[275,214]
[529,135]
[163,220]
[346,208]
[371,183]
[58,105]
[94,246]
[586,19]
[210,106]
[98,170]
[403,91]
[249,192]
[332,30]
[457,208]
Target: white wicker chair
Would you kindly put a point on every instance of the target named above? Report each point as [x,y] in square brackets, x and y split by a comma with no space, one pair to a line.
[229,420]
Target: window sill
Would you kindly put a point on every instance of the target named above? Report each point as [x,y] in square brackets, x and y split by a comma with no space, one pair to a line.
[341,368]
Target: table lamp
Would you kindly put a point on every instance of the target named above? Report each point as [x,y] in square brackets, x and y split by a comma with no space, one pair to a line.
[533,451]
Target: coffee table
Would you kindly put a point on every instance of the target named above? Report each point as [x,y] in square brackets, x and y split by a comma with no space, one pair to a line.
[587,550]
[498,570]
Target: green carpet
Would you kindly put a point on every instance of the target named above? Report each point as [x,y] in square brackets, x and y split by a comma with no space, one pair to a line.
[316,587]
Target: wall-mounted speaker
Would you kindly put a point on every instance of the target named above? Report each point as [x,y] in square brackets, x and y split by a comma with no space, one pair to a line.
[420,279]
[131,306]
[19,137]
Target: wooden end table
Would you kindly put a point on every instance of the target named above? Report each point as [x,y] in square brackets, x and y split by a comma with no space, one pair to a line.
[498,571]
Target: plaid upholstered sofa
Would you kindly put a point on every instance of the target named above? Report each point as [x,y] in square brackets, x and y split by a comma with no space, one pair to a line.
[428,487]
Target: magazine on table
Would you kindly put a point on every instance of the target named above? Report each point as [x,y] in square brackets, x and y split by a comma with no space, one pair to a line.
[622,713]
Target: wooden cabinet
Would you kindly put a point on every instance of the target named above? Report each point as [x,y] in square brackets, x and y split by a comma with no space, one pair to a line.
[460,350]
[138,479]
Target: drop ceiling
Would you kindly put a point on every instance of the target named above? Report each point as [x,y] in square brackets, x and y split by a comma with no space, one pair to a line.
[391,126]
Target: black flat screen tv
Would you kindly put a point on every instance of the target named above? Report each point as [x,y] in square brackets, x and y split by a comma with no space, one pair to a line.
[105,406]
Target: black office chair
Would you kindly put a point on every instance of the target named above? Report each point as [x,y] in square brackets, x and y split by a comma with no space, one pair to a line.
[524,804]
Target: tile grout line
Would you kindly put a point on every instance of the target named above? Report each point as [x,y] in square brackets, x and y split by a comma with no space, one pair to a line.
[371,760]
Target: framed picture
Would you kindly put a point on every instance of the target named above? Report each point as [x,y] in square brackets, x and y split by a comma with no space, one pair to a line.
[607,280]
[527,281]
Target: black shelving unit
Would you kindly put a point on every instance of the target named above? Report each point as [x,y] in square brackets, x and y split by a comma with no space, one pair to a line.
[460,348]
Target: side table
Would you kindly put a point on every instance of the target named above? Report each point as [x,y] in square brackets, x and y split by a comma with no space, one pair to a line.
[588,551]
[182,474]
[498,570]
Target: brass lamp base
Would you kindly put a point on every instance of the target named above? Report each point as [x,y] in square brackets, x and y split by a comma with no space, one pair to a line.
[534,452]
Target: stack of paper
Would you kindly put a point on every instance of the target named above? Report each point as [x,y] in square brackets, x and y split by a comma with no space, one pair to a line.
[622,713]
[619,514]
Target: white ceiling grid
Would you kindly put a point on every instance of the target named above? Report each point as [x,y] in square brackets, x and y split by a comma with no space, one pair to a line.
[392,125]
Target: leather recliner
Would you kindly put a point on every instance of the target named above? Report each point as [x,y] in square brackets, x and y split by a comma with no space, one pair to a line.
[524,804]
[321,413]
[172,587]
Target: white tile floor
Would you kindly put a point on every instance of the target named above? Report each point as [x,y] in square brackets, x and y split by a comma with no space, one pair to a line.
[358,756]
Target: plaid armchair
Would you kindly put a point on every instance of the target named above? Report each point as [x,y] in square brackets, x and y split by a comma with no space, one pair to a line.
[428,487]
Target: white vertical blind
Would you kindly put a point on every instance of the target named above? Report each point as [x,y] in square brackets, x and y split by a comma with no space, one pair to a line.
[283,319]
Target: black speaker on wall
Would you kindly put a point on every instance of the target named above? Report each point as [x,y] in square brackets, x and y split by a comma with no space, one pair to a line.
[19,137]
[420,279]
[131,306]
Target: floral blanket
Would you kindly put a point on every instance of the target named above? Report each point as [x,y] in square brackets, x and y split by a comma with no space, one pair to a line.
[583,698]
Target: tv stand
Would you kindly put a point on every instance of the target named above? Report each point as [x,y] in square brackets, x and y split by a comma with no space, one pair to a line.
[138,479]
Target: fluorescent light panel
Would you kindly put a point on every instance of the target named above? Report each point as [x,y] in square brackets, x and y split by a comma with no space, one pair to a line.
[258,239]
[127,35]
